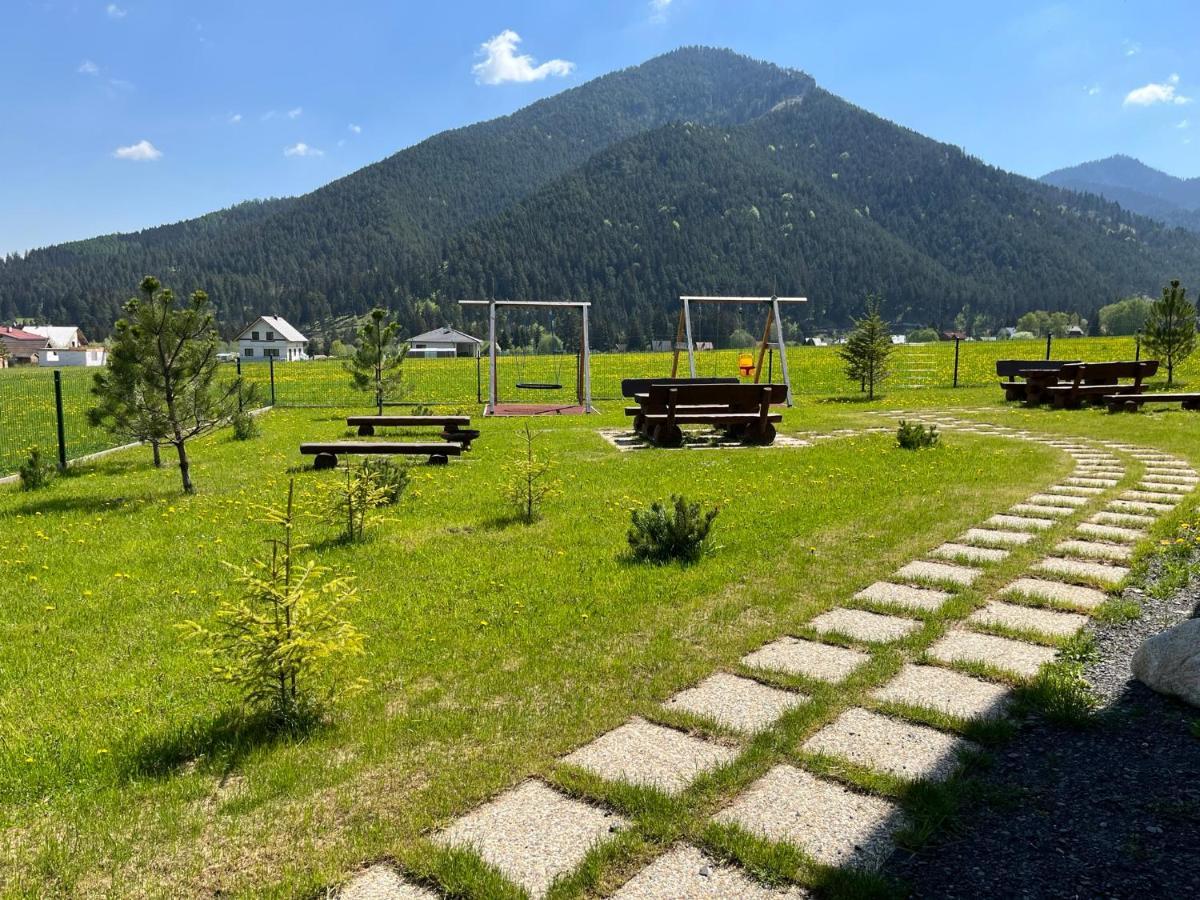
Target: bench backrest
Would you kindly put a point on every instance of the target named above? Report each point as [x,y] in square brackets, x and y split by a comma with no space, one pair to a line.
[1008,368]
[1108,372]
[738,397]
[633,386]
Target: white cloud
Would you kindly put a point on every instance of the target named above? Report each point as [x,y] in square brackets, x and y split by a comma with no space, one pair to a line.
[142,151]
[1183,123]
[115,12]
[658,10]
[1162,92]
[87,67]
[357,129]
[295,113]
[302,149]
[1093,90]
[235,118]
[1132,48]
[501,63]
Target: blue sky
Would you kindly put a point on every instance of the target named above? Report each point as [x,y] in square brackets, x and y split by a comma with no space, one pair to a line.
[121,115]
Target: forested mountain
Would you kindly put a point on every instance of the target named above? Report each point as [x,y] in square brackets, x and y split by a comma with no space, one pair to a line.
[1137,187]
[698,170]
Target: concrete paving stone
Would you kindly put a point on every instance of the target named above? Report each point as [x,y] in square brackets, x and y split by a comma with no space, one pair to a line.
[736,702]
[642,753]
[1086,481]
[1124,519]
[988,537]
[1057,591]
[1088,571]
[832,824]
[686,872]
[904,596]
[1137,506]
[1028,618]
[532,834]
[921,570]
[861,625]
[1058,500]
[1094,550]
[1038,509]
[1017,657]
[883,744]
[1074,490]
[945,691]
[1171,476]
[967,553]
[1151,497]
[382,882]
[812,659]
[1019,523]
[1111,532]
[1165,487]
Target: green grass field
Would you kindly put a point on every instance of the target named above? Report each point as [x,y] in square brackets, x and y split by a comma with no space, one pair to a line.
[492,648]
[27,395]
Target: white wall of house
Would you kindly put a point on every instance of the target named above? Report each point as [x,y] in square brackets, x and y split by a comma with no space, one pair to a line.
[433,350]
[265,338]
[77,356]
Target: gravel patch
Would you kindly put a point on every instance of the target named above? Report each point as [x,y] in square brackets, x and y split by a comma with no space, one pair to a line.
[686,872]
[739,703]
[1095,550]
[1165,487]
[1125,519]
[532,834]
[884,744]
[1111,532]
[1039,509]
[642,753]
[1058,500]
[1137,506]
[382,882]
[945,691]
[794,656]
[1020,523]
[903,595]
[832,824]
[988,537]
[1028,618]
[938,572]
[860,625]
[967,553]
[1056,591]
[1005,654]
[1086,571]
[1152,497]
[1171,478]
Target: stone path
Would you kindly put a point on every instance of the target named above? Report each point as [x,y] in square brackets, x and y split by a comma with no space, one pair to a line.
[961,671]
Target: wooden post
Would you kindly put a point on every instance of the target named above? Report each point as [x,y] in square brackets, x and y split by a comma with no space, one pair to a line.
[675,344]
[956,362]
[763,344]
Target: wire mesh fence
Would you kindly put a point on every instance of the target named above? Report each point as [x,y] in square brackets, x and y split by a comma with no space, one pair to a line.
[28,412]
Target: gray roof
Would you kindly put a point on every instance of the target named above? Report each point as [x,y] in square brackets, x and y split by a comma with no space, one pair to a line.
[279,325]
[444,335]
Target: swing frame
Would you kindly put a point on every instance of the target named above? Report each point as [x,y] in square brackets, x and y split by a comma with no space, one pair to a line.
[684,340]
[583,370]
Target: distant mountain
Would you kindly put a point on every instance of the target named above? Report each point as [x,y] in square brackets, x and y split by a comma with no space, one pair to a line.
[699,170]
[1137,187]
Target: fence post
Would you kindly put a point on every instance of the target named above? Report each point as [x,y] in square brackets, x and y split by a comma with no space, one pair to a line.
[770,365]
[478,377]
[58,413]
[1048,337]
[271,363]
[956,362]
[1137,353]
[238,360]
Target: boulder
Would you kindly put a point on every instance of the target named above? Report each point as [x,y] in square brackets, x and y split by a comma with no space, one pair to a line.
[1170,662]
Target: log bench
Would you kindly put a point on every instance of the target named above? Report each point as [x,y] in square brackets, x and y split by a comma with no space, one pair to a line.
[1132,403]
[453,427]
[1095,382]
[740,410]
[1037,374]
[326,454]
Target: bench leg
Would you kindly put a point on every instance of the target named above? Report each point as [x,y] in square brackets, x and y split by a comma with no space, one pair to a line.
[366,430]
[665,435]
[1132,406]
[1193,405]
[438,459]
[761,436]
[325,461]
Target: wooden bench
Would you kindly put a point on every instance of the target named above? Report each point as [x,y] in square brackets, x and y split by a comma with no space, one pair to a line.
[327,454]
[740,410]
[1095,382]
[635,387]
[1132,403]
[453,427]
[1012,369]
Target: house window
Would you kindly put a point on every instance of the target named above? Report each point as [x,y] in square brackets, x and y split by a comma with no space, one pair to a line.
[249,351]
[270,335]
[254,335]
[270,351]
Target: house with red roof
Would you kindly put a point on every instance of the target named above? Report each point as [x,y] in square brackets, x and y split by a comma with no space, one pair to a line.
[24,347]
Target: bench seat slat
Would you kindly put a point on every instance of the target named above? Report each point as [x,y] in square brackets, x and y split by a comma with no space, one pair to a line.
[380,448]
[398,421]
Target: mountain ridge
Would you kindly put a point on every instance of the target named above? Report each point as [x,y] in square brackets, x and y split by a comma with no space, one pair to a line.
[1137,187]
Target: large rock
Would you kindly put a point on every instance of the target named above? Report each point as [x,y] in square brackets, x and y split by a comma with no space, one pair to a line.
[1170,662]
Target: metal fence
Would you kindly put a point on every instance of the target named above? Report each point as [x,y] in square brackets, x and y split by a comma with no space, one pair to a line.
[48,407]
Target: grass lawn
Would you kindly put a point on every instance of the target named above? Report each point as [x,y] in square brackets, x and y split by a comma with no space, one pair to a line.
[492,647]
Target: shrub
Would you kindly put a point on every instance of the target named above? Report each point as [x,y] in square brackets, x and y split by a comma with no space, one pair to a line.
[245,426]
[679,532]
[529,481]
[915,436]
[392,478]
[282,637]
[35,471]
[352,501]
[1060,691]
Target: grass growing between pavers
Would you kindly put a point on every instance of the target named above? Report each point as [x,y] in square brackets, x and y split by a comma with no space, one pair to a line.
[492,648]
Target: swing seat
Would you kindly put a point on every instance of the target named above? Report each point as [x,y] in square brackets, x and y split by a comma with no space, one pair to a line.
[539,386]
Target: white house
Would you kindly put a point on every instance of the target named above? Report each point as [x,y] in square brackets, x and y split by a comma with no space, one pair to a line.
[445,341]
[271,336]
[61,357]
[59,337]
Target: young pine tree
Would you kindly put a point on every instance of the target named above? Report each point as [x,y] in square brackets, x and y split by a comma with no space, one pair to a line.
[377,363]
[160,384]
[1171,328]
[869,347]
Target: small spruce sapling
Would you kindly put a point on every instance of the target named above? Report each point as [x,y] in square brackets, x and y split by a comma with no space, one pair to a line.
[351,502]
[1171,328]
[662,534]
[377,363]
[529,481]
[35,471]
